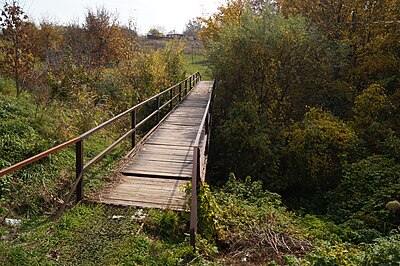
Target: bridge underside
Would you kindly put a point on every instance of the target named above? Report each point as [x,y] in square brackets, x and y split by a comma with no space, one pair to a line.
[156,176]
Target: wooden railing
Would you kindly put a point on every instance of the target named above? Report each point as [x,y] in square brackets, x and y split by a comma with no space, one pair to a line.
[183,88]
[198,161]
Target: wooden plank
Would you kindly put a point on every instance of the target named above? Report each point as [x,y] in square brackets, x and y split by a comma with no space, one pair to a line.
[141,204]
[132,193]
[153,190]
[176,128]
[146,203]
[150,195]
[161,171]
[151,159]
[157,174]
[157,160]
[168,140]
[165,142]
[158,189]
[153,181]
[146,180]
[171,147]
[177,202]
[173,136]
[165,154]
[160,163]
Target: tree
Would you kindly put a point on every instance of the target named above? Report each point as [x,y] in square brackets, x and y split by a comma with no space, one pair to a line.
[101,32]
[372,117]
[17,61]
[47,39]
[316,147]
[192,28]
[231,13]
[156,31]
[365,32]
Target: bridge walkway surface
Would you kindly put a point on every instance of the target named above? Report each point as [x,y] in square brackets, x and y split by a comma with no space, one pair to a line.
[156,174]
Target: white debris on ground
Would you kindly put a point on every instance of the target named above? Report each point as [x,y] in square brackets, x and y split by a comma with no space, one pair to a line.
[13,222]
[117,217]
[139,215]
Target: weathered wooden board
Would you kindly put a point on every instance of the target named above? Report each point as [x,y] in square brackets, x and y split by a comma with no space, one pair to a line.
[154,177]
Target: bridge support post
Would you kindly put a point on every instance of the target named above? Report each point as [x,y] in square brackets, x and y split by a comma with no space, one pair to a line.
[207,131]
[133,136]
[180,92]
[193,208]
[170,98]
[158,109]
[79,169]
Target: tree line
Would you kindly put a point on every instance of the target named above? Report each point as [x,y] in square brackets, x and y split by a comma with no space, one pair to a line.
[60,60]
[308,102]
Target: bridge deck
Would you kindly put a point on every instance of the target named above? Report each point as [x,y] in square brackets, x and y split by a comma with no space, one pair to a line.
[154,177]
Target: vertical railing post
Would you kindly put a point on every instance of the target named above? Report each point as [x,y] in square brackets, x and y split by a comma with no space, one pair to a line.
[185,86]
[133,136]
[180,92]
[206,125]
[190,83]
[193,208]
[170,98]
[79,169]
[207,132]
[158,109]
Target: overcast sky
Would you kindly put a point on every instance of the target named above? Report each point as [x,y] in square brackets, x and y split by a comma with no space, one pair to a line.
[170,14]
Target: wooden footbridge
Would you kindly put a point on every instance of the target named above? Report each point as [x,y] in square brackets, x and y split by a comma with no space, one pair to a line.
[164,164]
[172,155]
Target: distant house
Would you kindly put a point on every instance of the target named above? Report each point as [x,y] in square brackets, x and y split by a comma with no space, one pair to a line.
[169,36]
[154,37]
[174,35]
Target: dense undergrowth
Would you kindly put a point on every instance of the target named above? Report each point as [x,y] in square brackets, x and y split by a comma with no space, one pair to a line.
[240,223]
[28,129]
[300,107]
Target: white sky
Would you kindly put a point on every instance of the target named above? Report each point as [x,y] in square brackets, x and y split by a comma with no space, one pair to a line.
[170,14]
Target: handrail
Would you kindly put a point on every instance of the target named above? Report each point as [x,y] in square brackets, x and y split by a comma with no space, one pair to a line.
[78,141]
[205,123]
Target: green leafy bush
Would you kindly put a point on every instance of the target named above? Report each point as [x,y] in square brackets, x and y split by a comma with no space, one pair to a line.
[384,251]
[359,201]
[316,147]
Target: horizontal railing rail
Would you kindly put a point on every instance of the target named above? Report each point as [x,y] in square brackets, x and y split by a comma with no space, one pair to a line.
[183,88]
[204,129]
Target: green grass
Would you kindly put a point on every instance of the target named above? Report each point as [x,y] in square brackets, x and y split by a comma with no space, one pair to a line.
[197,62]
[89,235]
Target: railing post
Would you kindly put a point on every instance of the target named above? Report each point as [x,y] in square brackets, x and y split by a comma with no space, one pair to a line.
[170,98]
[158,109]
[185,86]
[206,125]
[79,169]
[193,208]
[207,131]
[133,136]
[180,92]
[190,83]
